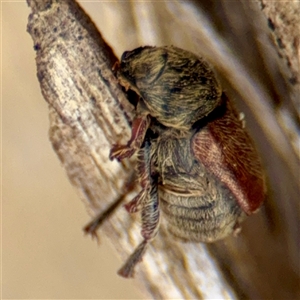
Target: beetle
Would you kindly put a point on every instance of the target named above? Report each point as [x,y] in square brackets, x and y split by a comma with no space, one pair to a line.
[196,164]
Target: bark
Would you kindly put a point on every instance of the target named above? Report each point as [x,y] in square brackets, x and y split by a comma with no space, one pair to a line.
[89,112]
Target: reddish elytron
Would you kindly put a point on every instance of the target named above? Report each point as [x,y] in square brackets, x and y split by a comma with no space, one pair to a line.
[196,164]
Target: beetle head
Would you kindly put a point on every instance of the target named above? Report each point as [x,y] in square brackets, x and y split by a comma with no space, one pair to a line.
[177,87]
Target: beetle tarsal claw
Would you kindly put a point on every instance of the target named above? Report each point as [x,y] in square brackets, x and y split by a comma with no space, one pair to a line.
[90,229]
[135,204]
[128,268]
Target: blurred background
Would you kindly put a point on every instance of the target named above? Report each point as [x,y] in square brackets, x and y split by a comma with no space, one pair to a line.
[45,254]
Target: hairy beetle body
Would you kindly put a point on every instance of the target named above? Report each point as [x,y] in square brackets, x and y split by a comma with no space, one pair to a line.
[196,164]
[196,206]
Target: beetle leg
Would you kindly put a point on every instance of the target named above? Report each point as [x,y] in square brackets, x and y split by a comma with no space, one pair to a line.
[150,222]
[138,132]
[136,203]
[144,173]
[150,209]
[91,228]
[150,214]
[128,269]
[96,222]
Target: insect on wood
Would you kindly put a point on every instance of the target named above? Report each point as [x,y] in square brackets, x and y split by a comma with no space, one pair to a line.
[196,164]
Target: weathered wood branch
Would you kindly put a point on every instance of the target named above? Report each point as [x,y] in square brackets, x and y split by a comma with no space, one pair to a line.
[284,24]
[89,112]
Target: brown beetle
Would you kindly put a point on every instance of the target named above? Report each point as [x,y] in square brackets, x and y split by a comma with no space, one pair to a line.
[196,163]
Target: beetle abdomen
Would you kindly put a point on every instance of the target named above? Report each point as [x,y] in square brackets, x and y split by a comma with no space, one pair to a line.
[205,218]
[196,206]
